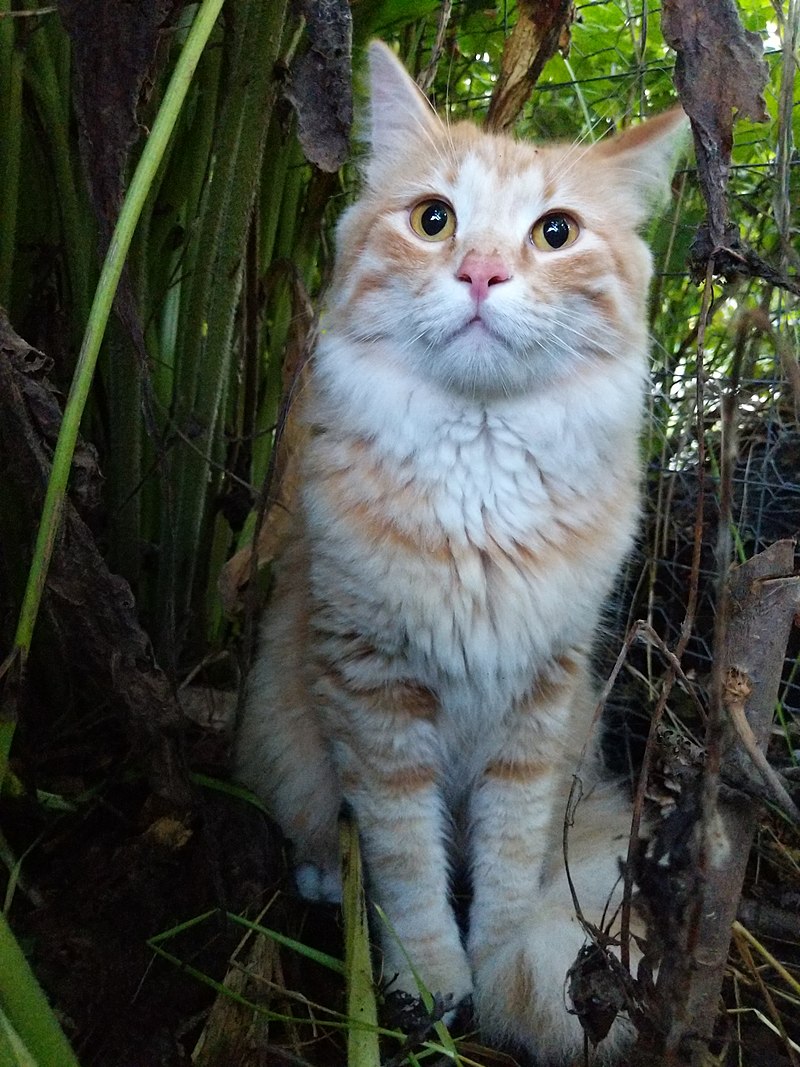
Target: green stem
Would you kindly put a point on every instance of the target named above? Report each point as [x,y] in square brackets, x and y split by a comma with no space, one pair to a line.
[11,66]
[49,95]
[98,318]
[363,1049]
[204,360]
[24,1005]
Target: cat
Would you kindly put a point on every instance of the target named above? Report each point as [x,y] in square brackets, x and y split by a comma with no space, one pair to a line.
[470,486]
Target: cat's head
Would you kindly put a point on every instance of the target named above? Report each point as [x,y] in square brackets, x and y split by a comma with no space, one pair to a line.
[489,266]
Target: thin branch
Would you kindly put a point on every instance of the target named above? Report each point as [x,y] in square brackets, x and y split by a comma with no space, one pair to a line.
[426,76]
[737,690]
[30,14]
[744,951]
[763,596]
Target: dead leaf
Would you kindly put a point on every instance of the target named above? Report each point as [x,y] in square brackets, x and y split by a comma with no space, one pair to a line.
[595,991]
[720,74]
[319,85]
[169,832]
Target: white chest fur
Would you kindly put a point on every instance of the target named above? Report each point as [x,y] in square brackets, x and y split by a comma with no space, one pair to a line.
[470,542]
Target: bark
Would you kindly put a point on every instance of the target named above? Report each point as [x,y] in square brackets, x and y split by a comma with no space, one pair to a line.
[319,84]
[542,27]
[764,597]
[88,639]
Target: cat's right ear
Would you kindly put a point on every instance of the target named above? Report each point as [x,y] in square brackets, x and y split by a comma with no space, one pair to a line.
[399,113]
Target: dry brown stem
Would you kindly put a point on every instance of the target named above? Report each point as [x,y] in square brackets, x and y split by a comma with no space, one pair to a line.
[88,636]
[278,498]
[737,690]
[764,597]
[426,76]
[542,27]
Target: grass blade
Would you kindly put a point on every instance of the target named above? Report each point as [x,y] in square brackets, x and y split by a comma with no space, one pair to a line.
[98,318]
[11,66]
[362,1038]
[25,1007]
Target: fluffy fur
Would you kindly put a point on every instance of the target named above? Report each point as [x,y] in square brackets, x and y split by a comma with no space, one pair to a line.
[469,488]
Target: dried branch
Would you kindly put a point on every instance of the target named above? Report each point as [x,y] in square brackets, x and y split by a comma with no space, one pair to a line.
[88,633]
[428,73]
[542,28]
[737,689]
[733,259]
[768,921]
[764,597]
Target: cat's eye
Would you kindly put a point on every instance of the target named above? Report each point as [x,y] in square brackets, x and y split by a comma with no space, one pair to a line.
[433,220]
[554,230]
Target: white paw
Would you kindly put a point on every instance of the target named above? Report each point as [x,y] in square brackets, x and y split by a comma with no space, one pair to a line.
[318,884]
[442,968]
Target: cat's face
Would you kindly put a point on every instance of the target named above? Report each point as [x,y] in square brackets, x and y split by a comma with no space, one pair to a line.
[492,267]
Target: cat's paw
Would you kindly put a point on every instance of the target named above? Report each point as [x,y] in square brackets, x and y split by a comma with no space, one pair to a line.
[522,995]
[320,885]
[409,1013]
[442,969]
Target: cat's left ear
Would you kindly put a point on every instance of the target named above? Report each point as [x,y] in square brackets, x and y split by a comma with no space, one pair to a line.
[643,158]
[399,113]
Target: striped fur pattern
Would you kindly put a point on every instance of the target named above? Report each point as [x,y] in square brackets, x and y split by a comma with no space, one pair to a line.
[470,487]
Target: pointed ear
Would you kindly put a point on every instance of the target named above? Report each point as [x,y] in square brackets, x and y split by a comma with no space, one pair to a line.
[399,113]
[643,158]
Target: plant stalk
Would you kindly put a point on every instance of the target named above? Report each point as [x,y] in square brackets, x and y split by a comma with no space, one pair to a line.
[24,1005]
[98,318]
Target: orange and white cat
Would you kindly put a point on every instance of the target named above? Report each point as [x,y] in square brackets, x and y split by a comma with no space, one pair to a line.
[470,486]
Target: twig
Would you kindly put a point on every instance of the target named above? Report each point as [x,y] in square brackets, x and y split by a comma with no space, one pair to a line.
[763,597]
[686,626]
[744,952]
[737,690]
[426,76]
[29,14]
[733,259]
[645,630]
[743,932]
[769,921]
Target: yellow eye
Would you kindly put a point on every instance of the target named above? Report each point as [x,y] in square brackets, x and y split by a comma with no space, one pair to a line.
[433,220]
[554,230]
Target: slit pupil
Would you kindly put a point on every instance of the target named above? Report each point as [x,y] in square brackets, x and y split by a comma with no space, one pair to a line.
[434,219]
[556,231]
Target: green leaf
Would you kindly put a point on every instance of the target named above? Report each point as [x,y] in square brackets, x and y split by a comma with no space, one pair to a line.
[362,1038]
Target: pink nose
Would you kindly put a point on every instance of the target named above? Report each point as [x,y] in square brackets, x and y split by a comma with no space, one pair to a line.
[480,271]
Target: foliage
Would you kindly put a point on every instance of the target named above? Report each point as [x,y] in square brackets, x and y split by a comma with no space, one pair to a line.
[234,244]
[29,1033]
[215,292]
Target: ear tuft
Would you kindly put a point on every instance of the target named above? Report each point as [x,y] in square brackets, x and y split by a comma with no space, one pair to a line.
[644,156]
[399,113]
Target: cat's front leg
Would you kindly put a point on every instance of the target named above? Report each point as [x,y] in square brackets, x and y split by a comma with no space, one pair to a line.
[387,757]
